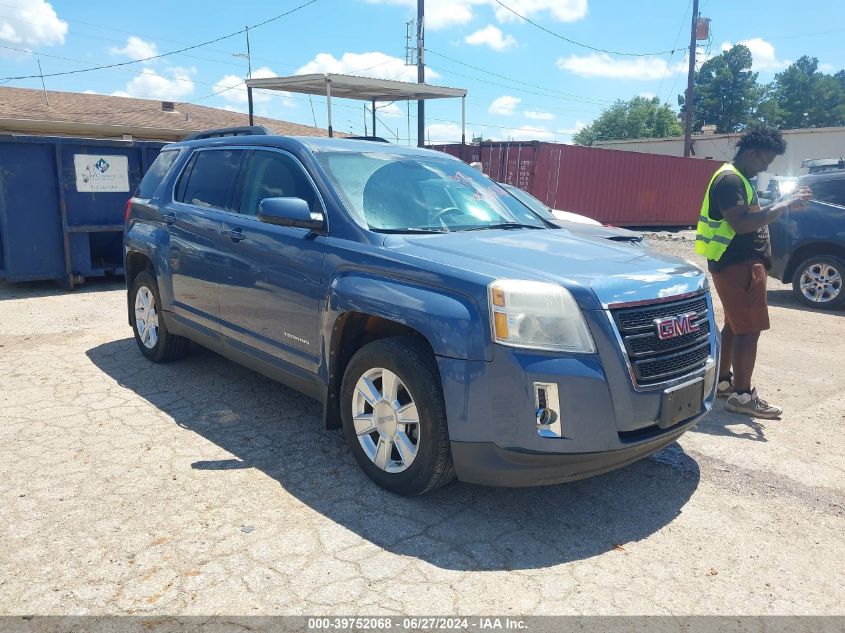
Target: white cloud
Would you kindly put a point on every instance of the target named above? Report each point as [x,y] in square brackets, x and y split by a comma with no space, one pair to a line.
[373,64]
[136,48]
[560,10]
[444,133]
[492,37]
[539,116]
[763,54]
[603,65]
[441,14]
[233,89]
[579,125]
[149,84]
[31,23]
[505,105]
[647,95]
[827,68]
[530,133]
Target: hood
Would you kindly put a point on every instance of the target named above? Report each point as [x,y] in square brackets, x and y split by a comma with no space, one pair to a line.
[591,269]
[599,231]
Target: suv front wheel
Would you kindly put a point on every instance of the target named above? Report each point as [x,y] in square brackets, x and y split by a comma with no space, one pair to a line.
[817,282]
[151,334]
[394,418]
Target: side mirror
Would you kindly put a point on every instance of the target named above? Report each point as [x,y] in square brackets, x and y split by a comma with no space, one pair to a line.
[290,212]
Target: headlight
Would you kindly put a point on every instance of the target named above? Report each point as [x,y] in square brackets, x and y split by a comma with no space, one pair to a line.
[537,315]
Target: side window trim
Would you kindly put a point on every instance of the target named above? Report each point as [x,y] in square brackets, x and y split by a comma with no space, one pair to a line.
[178,189]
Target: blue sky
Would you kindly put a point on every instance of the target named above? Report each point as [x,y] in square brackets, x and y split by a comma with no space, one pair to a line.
[523,82]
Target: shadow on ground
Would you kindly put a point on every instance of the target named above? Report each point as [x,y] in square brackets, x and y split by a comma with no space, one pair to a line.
[271,428]
[725,423]
[32,289]
[786,299]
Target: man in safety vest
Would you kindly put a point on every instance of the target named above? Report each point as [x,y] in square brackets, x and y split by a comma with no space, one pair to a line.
[733,234]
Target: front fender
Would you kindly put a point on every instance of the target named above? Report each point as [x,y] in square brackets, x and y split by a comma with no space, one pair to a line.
[453,323]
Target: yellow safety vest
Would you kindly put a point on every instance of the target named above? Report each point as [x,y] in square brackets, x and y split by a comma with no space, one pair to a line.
[714,236]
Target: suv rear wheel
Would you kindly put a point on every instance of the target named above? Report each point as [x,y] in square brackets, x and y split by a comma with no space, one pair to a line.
[394,418]
[817,282]
[151,334]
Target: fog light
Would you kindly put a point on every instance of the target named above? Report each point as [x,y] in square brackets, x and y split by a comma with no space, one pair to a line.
[547,409]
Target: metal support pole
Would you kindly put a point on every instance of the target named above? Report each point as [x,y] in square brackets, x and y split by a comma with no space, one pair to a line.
[329,104]
[463,125]
[690,85]
[249,98]
[420,71]
[374,117]
[68,278]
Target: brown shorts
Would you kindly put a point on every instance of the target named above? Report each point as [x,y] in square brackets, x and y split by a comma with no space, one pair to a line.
[742,290]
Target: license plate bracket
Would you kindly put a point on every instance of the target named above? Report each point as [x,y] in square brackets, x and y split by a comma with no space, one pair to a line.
[681,403]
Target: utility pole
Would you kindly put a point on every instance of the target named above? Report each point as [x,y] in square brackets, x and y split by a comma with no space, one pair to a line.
[421,70]
[690,82]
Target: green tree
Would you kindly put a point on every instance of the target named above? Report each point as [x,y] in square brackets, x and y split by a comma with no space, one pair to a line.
[639,117]
[726,92]
[801,96]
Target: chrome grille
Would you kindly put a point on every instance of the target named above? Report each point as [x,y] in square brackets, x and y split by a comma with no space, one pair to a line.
[654,360]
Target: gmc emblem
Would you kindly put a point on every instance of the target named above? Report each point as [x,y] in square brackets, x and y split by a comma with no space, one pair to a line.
[671,327]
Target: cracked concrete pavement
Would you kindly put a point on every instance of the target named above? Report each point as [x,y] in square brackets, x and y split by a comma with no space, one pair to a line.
[201,487]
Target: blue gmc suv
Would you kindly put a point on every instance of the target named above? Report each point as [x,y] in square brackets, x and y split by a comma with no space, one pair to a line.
[446,328]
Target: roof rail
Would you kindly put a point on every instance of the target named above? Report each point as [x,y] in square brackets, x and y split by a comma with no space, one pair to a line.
[247,130]
[378,139]
[822,165]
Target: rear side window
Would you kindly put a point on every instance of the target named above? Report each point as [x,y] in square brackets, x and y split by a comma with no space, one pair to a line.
[210,178]
[274,175]
[156,173]
[831,191]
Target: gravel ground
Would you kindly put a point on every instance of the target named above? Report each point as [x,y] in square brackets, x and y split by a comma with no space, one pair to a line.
[202,488]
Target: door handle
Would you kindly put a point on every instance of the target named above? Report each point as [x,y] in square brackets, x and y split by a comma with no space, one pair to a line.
[236,235]
[169,217]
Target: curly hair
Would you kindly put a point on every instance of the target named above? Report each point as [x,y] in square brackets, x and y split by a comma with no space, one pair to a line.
[761,137]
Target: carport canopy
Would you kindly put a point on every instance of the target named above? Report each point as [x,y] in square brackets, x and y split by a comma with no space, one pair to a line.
[359,88]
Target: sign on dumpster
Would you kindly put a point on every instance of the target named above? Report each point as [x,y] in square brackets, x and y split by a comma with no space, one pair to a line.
[99,173]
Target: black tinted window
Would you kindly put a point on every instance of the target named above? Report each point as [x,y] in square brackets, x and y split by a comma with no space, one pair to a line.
[210,178]
[274,175]
[831,191]
[156,173]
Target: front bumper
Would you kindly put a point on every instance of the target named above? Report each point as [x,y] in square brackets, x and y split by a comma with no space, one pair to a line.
[606,420]
[490,465]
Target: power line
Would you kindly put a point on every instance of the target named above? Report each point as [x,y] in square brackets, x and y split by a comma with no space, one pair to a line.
[138,34]
[675,43]
[182,50]
[564,95]
[581,44]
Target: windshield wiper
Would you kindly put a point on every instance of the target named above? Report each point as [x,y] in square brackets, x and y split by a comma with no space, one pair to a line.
[409,230]
[505,225]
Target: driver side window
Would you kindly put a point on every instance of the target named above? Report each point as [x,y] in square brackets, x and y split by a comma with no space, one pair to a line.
[274,175]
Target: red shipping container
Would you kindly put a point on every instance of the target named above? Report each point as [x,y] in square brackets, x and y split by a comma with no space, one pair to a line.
[611,186]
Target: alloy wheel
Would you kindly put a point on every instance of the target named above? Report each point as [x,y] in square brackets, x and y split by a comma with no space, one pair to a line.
[146,317]
[386,420]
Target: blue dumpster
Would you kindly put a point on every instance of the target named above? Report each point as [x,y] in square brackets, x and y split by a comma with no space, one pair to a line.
[62,202]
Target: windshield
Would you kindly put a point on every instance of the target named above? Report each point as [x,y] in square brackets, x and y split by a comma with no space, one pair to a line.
[530,201]
[400,193]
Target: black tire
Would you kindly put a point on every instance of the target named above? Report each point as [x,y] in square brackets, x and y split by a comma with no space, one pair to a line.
[168,347]
[414,364]
[830,261]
